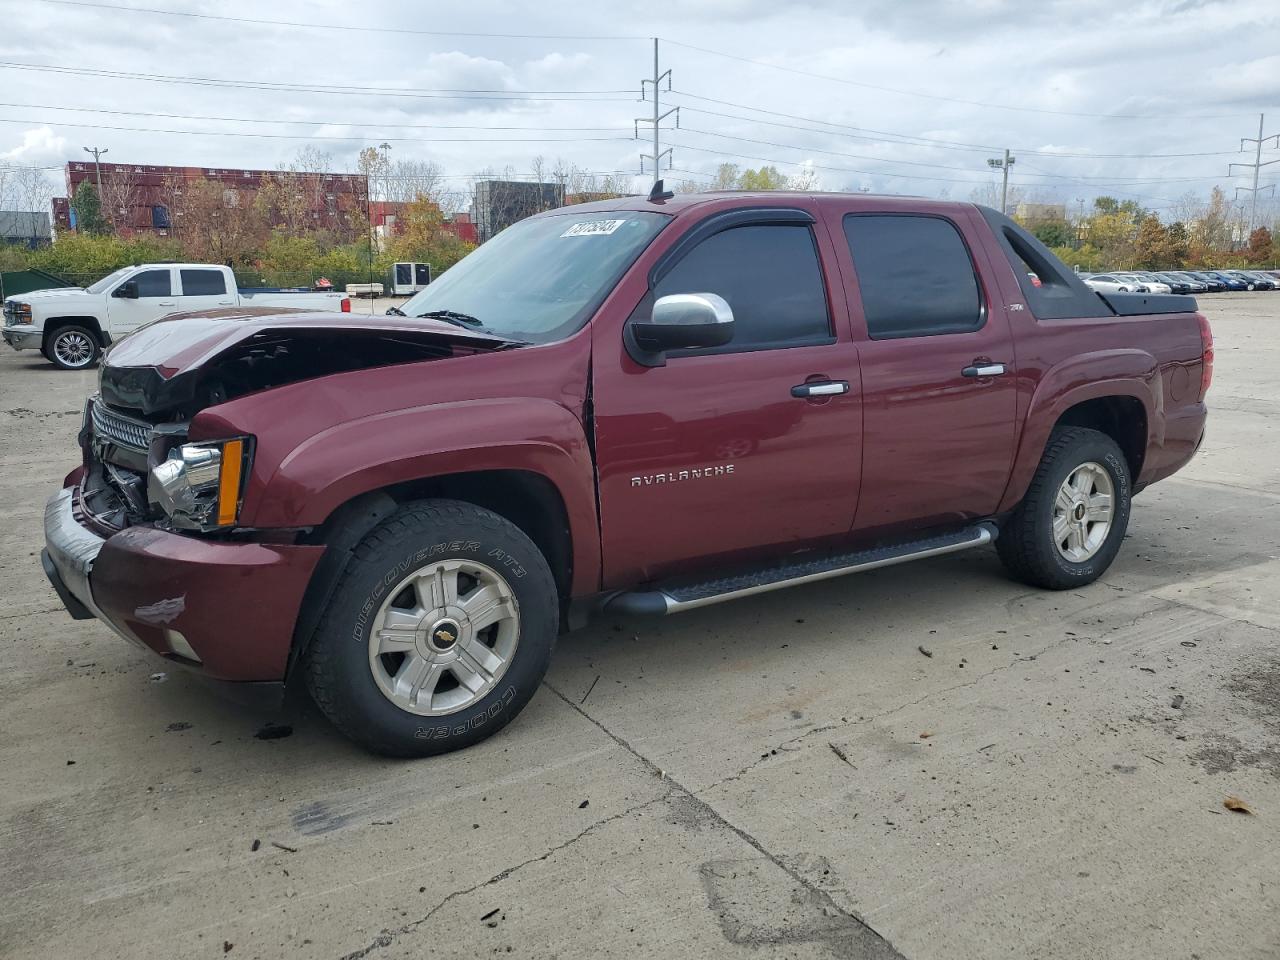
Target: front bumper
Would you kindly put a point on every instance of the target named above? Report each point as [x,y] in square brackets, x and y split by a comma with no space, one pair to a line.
[226,609]
[22,337]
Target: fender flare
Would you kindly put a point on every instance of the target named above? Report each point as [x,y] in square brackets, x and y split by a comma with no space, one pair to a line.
[1091,376]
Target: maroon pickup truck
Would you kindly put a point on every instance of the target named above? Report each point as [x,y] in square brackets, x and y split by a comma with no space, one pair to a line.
[639,406]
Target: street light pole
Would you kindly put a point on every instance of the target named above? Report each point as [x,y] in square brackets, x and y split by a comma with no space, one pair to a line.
[97,166]
[1003,166]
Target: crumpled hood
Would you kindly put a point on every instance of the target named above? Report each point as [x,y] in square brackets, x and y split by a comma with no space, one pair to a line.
[187,361]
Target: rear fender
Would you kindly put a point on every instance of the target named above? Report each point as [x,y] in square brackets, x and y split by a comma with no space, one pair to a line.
[376,452]
[1103,373]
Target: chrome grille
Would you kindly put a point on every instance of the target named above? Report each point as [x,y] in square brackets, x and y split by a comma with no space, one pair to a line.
[121,430]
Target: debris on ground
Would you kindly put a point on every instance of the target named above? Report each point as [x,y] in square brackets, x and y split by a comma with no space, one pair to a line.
[227,946]
[841,754]
[927,653]
[177,726]
[583,804]
[274,731]
[926,735]
[1236,805]
[1177,702]
[286,849]
[254,847]
[491,918]
[159,677]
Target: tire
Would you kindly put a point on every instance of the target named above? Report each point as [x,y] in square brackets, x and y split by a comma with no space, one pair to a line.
[369,695]
[1028,544]
[72,347]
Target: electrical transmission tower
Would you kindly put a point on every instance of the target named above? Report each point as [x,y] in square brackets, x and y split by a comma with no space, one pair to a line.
[1256,166]
[657,118]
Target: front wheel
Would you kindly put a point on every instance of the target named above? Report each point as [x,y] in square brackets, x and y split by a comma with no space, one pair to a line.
[1071,522]
[72,348]
[438,633]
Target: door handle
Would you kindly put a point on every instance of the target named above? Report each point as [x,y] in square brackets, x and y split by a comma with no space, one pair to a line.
[986,369]
[820,388]
[167,303]
[224,303]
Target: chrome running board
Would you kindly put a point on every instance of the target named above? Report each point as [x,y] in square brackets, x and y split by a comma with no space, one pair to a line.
[661,599]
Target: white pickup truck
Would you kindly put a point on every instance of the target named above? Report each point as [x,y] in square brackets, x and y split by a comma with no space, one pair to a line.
[71,326]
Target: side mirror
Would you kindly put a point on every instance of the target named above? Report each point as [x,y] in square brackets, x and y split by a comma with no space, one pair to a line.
[127,290]
[680,321]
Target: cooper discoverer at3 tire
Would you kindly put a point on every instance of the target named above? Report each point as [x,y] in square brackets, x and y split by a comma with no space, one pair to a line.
[437,634]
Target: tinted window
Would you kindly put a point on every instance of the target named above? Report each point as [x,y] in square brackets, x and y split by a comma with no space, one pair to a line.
[915,276]
[203,283]
[154,283]
[770,277]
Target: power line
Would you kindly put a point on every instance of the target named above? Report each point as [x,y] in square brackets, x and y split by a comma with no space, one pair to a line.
[931,96]
[816,166]
[310,123]
[918,140]
[300,136]
[330,27]
[586,96]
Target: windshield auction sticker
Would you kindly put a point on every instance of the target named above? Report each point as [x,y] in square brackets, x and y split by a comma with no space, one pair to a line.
[593,228]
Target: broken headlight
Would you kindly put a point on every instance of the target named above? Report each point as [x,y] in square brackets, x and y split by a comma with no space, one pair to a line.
[199,487]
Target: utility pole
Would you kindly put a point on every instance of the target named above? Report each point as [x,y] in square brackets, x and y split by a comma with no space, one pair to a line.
[657,118]
[1256,166]
[1004,166]
[97,166]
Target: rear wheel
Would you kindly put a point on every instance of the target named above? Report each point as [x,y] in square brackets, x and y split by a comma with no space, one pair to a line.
[438,633]
[72,347]
[1071,522]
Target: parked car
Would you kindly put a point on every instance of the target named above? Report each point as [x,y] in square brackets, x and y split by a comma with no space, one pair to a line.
[633,406]
[1261,281]
[71,325]
[1176,284]
[1111,283]
[1197,285]
[1209,280]
[1139,284]
[1226,280]
[1153,283]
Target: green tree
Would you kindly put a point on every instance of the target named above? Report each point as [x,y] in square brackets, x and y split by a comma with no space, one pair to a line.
[88,210]
[766,178]
[1179,243]
[1054,233]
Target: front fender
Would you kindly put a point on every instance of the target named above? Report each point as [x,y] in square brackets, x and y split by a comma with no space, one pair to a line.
[370,453]
[1102,373]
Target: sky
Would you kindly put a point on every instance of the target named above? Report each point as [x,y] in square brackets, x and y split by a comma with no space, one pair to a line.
[1138,100]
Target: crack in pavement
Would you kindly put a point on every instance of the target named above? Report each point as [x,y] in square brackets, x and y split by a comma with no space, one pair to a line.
[791,745]
[819,895]
[388,937]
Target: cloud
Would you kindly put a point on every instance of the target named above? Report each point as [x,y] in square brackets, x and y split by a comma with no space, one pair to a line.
[39,147]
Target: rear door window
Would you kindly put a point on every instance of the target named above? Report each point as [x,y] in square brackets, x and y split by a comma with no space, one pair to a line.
[915,276]
[203,283]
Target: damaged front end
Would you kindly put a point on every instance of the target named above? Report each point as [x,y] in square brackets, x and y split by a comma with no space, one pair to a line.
[145,534]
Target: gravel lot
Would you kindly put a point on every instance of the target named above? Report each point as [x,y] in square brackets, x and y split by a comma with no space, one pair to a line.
[787,776]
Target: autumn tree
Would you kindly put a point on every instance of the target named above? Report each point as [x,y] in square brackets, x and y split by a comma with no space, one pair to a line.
[219,224]
[1151,246]
[121,194]
[424,238]
[1261,249]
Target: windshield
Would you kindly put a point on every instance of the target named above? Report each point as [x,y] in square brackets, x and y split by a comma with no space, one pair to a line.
[108,280]
[541,279]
